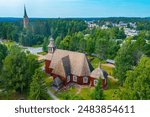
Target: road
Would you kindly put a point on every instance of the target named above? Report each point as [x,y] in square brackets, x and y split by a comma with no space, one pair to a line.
[32,50]
[52,95]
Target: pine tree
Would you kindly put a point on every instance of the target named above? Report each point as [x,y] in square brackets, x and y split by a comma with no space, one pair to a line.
[98,92]
[38,89]
[45,44]
[123,61]
[3,54]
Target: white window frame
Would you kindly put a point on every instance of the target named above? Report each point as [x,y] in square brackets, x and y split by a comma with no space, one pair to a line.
[95,82]
[75,78]
[85,79]
[52,50]
[68,79]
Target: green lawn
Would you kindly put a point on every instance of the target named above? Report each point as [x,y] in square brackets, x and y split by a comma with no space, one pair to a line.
[86,93]
[111,92]
[75,94]
[108,69]
[95,62]
[42,53]
[9,43]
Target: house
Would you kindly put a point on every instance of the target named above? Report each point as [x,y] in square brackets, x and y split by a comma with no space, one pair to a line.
[91,24]
[130,32]
[67,66]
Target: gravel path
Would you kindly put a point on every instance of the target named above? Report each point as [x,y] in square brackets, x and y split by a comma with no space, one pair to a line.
[116,80]
[52,95]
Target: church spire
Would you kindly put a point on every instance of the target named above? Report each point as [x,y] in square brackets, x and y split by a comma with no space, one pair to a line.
[25,19]
[25,12]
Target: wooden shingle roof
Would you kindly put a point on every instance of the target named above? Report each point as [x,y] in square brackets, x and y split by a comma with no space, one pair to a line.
[99,73]
[65,62]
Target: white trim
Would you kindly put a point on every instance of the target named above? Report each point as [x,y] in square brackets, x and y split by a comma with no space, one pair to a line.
[85,79]
[68,79]
[75,78]
[95,82]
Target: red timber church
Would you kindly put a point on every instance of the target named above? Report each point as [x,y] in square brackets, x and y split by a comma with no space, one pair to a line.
[66,67]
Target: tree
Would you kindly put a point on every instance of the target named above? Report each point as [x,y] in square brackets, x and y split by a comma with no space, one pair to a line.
[139,49]
[113,48]
[102,47]
[98,92]
[38,89]
[58,40]
[18,69]
[3,54]
[137,84]
[73,46]
[45,44]
[128,57]
[117,33]
[90,46]
[123,61]
[31,64]
[82,45]
[64,44]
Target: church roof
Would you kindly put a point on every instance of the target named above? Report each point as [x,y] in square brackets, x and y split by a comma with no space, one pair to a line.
[99,73]
[65,62]
[48,56]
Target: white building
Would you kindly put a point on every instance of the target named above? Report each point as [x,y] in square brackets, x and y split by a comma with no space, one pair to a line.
[130,32]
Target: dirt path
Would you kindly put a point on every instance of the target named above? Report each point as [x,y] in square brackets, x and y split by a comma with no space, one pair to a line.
[52,95]
[79,90]
[112,78]
[109,65]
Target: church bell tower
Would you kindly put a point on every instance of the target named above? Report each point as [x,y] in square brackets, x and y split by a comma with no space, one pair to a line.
[51,46]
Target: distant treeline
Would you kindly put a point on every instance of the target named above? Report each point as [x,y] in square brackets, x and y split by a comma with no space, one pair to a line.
[113,19]
[38,29]
[65,31]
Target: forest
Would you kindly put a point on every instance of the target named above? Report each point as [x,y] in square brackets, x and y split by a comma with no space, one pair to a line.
[20,70]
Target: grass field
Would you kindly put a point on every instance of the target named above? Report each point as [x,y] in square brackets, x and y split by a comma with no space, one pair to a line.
[108,68]
[111,92]
[42,53]
[74,93]
[9,43]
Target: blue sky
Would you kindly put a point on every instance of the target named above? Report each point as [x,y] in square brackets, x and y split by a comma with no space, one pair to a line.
[75,8]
